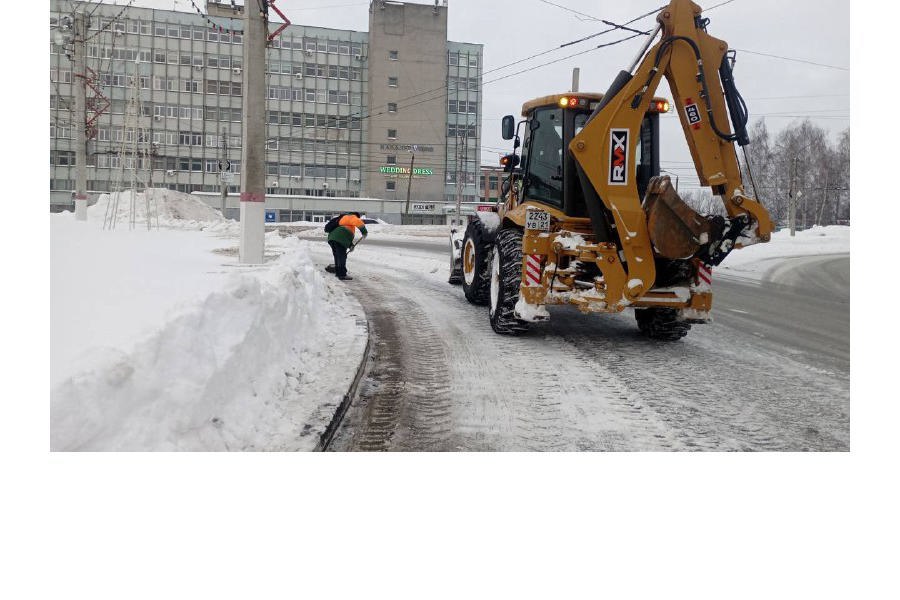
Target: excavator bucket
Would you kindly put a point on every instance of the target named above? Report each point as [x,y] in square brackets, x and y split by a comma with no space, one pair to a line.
[676,229]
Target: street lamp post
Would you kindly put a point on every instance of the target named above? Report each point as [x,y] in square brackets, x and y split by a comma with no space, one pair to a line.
[224,168]
[792,200]
[412,161]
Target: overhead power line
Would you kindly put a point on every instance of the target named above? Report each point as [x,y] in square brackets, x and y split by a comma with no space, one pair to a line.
[442,91]
[718,5]
[791,97]
[110,22]
[799,60]
[332,6]
[615,26]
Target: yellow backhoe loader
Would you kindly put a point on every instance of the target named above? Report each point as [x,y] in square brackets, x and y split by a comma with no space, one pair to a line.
[585,217]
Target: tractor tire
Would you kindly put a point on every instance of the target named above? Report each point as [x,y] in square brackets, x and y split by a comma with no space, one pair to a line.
[506,276]
[456,276]
[478,243]
[661,324]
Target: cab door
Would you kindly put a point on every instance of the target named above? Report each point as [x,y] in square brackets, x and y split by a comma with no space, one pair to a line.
[543,181]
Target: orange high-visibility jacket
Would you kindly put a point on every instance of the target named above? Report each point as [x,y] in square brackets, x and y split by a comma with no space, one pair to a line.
[343,233]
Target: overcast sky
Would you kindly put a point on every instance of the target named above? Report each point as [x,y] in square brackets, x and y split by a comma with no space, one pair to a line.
[817,31]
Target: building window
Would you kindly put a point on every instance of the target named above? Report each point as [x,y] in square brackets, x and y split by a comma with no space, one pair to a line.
[190,138]
[393,55]
[392,82]
[392,134]
[390,185]
[62,158]
[493,182]
[391,160]
[392,107]
[462,107]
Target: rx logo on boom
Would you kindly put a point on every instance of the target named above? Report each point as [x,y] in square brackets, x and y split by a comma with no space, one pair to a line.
[618,156]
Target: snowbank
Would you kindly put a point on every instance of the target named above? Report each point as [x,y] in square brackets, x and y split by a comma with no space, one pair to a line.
[160,340]
[167,208]
[753,262]
[310,229]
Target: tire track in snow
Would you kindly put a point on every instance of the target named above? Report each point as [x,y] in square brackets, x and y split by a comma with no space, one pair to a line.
[405,392]
[507,393]
[592,382]
[720,390]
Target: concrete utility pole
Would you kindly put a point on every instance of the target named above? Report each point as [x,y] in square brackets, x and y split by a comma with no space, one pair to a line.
[459,171]
[821,211]
[575,75]
[79,119]
[223,164]
[412,161]
[253,130]
[792,202]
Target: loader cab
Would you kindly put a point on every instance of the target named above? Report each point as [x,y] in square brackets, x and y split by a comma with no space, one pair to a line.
[549,173]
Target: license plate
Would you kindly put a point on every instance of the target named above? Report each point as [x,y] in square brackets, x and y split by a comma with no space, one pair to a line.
[537,220]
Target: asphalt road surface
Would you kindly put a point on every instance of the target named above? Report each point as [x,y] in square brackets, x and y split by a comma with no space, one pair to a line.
[771,373]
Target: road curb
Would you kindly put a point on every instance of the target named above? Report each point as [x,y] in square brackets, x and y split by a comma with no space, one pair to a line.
[341,411]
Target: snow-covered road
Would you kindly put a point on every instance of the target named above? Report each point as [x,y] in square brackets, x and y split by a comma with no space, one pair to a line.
[440,379]
[162,342]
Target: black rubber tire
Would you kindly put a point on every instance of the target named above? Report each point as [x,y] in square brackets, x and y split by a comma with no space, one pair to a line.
[455,278]
[456,275]
[661,324]
[508,254]
[478,291]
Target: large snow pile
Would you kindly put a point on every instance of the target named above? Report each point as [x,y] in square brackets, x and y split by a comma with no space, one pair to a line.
[754,261]
[160,340]
[167,208]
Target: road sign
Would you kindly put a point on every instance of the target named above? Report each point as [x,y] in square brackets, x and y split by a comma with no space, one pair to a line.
[270,216]
[226,177]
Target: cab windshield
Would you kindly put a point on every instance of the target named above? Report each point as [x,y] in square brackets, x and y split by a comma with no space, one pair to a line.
[551,180]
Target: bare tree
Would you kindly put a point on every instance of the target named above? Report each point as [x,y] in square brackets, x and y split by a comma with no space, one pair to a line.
[803,162]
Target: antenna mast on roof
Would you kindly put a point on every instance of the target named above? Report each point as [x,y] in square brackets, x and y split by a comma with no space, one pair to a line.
[134,154]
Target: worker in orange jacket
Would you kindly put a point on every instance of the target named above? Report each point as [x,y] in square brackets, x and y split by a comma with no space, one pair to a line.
[341,241]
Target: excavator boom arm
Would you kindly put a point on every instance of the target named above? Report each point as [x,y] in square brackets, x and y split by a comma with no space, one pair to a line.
[694,64]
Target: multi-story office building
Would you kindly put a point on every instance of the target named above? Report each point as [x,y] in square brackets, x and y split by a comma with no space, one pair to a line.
[347,111]
[489,182]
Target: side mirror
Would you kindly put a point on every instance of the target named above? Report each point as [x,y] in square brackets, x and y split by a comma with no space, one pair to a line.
[508,127]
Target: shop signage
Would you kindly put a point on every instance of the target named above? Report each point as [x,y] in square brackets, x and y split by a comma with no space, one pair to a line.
[405,171]
[407,147]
